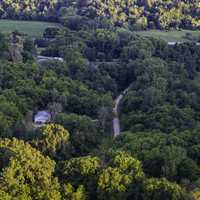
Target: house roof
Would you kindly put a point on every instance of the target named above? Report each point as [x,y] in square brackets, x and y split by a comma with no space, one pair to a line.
[42,116]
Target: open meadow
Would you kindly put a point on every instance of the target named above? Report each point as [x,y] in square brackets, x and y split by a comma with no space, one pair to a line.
[172,36]
[31,28]
[36,29]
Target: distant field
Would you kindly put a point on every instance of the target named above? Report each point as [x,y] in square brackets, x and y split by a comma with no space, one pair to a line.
[31,28]
[36,29]
[172,36]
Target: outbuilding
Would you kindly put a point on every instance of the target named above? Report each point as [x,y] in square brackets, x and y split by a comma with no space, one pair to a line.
[42,117]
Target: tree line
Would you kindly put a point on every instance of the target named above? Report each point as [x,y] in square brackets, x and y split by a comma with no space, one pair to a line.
[134,14]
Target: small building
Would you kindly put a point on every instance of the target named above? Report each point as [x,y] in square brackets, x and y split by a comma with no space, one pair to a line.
[42,117]
[41,59]
[172,43]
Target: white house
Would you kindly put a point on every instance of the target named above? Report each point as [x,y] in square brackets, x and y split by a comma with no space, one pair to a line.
[42,117]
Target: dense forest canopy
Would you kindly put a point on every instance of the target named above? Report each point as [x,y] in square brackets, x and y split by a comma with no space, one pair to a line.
[135,14]
[75,157]
[73,74]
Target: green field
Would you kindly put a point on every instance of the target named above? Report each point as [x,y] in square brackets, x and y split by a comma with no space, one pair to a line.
[36,29]
[172,36]
[31,28]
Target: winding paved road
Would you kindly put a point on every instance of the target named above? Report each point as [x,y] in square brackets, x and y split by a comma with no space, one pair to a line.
[116,120]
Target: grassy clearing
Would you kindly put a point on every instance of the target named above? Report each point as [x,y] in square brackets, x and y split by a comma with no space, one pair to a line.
[31,28]
[172,36]
[36,29]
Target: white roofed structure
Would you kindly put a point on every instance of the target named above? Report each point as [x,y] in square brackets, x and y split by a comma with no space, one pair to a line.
[42,117]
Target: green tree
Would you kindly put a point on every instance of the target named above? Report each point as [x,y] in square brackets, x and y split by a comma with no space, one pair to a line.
[54,139]
[28,174]
[84,135]
[162,189]
[69,193]
[115,180]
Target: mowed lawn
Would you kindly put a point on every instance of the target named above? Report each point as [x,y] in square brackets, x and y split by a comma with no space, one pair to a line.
[31,28]
[172,36]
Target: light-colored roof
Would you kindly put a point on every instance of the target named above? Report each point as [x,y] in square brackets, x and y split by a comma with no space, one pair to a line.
[47,58]
[42,116]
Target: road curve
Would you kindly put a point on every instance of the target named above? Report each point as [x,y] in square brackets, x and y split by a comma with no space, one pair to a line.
[116,120]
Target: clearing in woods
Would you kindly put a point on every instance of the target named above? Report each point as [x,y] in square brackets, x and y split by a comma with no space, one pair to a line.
[30,28]
[36,29]
[173,35]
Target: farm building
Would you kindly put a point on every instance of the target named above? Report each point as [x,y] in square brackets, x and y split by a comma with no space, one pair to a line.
[42,117]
